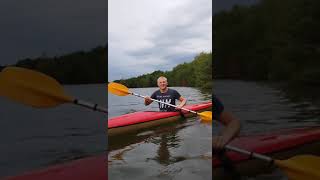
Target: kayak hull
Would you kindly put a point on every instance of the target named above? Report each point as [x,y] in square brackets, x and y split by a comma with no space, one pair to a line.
[134,122]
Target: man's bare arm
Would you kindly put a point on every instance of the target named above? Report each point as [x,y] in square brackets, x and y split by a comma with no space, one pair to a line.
[231,130]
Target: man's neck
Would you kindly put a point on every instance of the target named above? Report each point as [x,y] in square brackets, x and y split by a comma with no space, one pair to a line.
[164,90]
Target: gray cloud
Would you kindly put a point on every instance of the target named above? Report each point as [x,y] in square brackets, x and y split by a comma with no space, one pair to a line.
[174,34]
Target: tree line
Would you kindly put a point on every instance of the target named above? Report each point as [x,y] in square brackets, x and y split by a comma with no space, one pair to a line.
[197,73]
[76,68]
[91,67]
[272,40]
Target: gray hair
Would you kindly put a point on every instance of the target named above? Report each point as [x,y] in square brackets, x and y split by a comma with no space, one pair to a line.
[162,77]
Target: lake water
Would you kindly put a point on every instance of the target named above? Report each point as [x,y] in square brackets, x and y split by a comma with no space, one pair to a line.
[37,138]
[179,150]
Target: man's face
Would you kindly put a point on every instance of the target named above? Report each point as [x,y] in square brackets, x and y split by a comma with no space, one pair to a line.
[162,83]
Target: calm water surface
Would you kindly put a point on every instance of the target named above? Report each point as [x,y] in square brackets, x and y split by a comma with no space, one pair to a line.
[183,150]
[37,138]
[176,151]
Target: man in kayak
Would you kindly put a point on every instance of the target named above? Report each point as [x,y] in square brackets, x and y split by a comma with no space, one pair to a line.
[167,95]
[232,125]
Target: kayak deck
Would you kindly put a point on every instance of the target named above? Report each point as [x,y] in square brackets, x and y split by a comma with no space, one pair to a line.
[146,119]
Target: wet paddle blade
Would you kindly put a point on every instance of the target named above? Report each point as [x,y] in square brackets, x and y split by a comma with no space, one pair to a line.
[31,88]
[118,89]
[302,167]
[206,116]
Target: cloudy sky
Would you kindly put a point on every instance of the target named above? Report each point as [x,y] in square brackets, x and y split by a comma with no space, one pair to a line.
[54,27]
[144,35]
[149,35]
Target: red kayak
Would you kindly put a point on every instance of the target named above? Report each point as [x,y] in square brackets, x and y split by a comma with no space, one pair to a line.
[280,145]
[93,168]
[145,119]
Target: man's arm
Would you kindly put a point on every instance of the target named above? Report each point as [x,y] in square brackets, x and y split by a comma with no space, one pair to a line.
[183,102]
[232,126]
[231,130]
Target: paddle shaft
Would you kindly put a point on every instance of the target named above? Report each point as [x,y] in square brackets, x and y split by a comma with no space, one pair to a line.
[89,105]
[138,95]
[251,154]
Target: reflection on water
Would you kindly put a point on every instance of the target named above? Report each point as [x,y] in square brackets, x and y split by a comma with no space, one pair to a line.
[176,150]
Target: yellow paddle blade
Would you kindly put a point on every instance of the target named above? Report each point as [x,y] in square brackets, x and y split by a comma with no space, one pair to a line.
[303,167]
[118,89]
[31,88]
[206,116]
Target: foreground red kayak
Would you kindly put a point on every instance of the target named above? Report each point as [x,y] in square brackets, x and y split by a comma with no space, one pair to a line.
[93,168]
[145,119]
[280,145]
